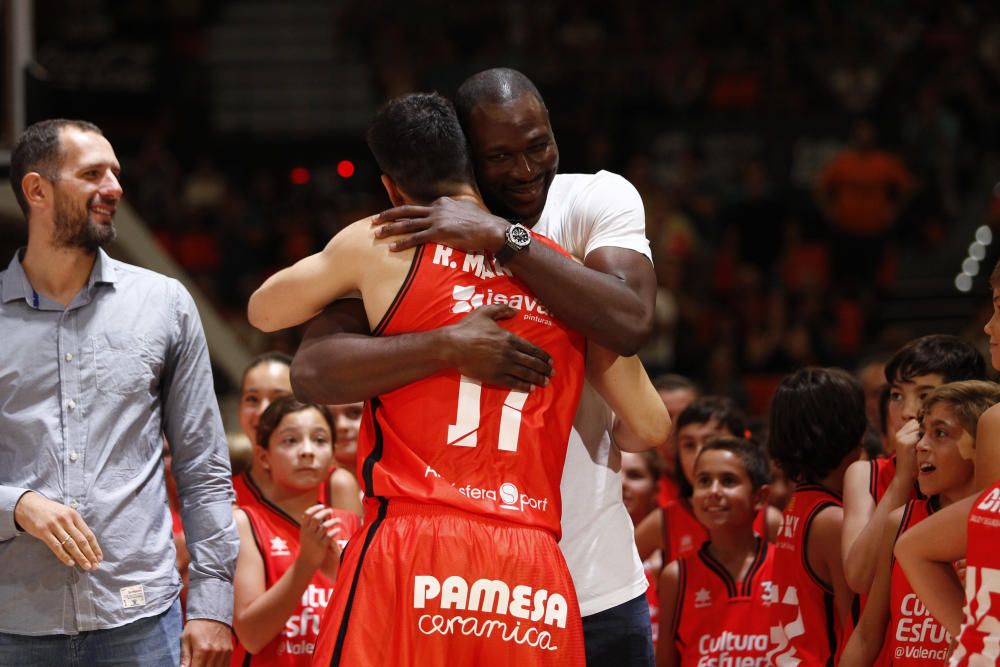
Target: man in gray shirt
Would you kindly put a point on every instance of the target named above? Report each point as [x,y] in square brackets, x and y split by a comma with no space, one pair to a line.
[99,361]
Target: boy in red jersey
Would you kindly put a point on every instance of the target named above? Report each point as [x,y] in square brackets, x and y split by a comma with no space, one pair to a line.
[873,489]
[817,421]
[968,529]
[713,603]
[289,545]
[458,563]
[946,474]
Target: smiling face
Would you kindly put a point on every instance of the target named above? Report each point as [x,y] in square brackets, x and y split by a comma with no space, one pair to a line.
[86,191]
[906,398]
[691,438]
[261,385]
[944,453]
[992,330]
[638,486]
[723,493]
[299,454]
[515,156]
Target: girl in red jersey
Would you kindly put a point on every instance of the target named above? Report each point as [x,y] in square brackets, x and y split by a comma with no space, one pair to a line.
[946,474]
[285,568]
[266,379]
[817,422]
[673,527]
[969,529]
[713,603]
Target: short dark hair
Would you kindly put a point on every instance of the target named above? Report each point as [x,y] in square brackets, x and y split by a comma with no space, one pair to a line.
[949,356]
[703,410]
[286,405]
[755,460]
[39,149]
[271,357]
[417,141]
[673,381]
[499,85]
[968,400]
[817,420]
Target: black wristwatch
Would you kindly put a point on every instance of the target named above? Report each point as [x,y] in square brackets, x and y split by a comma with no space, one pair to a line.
[517,239]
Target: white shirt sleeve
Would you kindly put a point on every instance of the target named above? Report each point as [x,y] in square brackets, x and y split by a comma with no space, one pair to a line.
[614,212]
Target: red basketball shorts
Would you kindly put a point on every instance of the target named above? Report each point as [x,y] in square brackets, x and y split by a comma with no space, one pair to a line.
[425,585]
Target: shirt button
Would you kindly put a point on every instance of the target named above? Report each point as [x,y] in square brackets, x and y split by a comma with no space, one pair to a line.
[69,356]
[73,456]
[71,404]
[73,504]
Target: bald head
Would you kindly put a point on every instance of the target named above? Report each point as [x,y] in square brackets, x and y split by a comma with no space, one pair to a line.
[500,85]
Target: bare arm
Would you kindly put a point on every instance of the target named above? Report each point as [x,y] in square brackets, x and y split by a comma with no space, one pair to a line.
[669,585]
[338,362]
[870,633]
[926,553]
[260,613]
[642,421]
[609,299]
[863,534]
[649,535]
[345,494]
[299,292]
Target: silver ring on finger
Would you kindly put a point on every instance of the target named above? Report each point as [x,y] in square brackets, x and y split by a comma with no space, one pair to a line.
[68,539]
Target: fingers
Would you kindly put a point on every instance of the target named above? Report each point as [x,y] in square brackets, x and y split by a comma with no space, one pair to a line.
[539,359]
[400,227]
[77,550]
[185,650]
[400,212]
[495,311]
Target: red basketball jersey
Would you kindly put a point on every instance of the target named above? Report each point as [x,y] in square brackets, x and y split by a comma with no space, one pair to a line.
[449,440]
[914,638]
[248,493]
[804,621]
[277,538]
[881,472]
[683,534]
[979,638]
[719,621]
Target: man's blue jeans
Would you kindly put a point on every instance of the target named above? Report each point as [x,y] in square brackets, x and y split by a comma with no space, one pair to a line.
[620,636]
[152,641]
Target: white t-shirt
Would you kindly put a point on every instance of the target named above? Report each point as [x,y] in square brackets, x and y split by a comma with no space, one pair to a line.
[584,212]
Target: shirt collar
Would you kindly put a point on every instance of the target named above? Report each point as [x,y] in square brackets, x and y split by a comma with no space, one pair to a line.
[16,285]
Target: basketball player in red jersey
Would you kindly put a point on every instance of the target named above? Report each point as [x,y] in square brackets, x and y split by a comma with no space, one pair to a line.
[289,545]
[458,563]
[817,421]
[947,474]
[873,489]
[969,529]
[714,603]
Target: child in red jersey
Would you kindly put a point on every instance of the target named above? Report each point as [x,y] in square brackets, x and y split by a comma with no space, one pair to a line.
[969,529]
[894,620]
[873,489]
[285,568]
[817,422]
[713,603]
[673,527]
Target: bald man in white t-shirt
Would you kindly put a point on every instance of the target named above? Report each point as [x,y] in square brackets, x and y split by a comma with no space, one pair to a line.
[607,296]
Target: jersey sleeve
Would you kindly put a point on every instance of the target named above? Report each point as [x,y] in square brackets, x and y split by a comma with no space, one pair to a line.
[616,215]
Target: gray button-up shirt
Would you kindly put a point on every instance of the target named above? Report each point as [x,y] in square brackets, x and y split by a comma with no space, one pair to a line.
[87,393]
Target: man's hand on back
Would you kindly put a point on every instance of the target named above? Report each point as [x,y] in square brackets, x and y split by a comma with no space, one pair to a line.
[483,350]
[455,223]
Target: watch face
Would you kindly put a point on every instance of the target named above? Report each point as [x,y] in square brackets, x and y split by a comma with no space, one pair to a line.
[519,235]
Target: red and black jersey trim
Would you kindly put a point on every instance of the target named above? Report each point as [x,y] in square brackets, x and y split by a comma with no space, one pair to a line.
[383,507]
[734,590]
[831,628]
[873,470]
[268,575]
[679,603]
[833,501]
[403,289]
